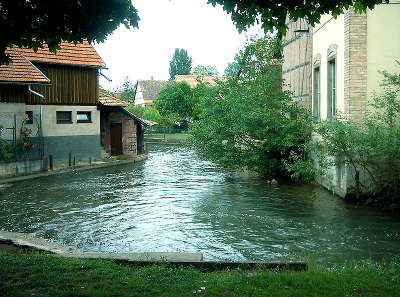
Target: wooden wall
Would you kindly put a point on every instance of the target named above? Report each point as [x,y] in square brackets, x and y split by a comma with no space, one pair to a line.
[13,93]
[69,86]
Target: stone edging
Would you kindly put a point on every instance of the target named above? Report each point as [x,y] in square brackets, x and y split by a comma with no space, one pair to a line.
[179,259]
[71,169]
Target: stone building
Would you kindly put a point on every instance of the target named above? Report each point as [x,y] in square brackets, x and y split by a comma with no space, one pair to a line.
[122,133]
[334,66]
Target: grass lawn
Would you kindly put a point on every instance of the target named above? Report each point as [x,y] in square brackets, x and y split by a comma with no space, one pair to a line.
[176,136]
[47,275]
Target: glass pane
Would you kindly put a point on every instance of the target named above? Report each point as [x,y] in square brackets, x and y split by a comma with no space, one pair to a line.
[64,116]
[82,117]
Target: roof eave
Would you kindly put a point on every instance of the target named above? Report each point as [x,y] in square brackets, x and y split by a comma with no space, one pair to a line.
[24,83]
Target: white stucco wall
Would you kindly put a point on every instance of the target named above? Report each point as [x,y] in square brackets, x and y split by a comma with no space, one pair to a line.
[51,128]
[383,41]
[49,120]
[330,31]
[139,100]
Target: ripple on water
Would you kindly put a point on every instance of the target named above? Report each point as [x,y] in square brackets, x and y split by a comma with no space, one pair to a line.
[175,201]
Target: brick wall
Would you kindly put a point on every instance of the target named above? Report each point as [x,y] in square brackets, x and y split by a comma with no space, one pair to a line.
[355,61]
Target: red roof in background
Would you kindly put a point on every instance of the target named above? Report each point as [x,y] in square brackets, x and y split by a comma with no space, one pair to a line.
[109,100]
[21,71]
[80,54]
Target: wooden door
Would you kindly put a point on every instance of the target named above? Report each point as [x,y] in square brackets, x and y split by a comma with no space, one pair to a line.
[116,139]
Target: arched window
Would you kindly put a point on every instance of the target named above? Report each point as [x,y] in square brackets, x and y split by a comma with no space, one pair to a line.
[317,87]
[332,80]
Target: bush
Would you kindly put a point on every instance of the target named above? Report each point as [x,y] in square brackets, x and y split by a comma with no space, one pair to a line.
[249,122]
[370,147]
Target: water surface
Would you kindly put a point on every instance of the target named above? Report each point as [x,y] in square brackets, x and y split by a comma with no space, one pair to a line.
[175,201]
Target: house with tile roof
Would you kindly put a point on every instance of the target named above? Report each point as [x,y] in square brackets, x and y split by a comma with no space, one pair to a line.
[55,96]
[147,91]
[193,79]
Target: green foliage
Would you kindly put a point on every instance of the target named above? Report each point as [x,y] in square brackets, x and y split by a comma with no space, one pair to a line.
[371,146]
[127,90]
[272,14]
[48,275]
[35,23]
[249,122]
[151,113]
[233,68]
[176,98]
[180,64]
[205,70]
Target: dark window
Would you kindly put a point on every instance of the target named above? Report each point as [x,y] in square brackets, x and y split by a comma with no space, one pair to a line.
[28,117]
[64,117]
[317,94]
[83,117]
[331,89]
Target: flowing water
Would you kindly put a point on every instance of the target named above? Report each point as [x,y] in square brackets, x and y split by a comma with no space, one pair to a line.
[175,201]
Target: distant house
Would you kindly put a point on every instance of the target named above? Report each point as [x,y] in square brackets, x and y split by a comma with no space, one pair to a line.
[194,79]
[56,98]
[147,91]
[121,131]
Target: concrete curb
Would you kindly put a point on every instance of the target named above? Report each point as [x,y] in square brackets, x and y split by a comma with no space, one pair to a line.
[72,169]
[24,241]
[174,259]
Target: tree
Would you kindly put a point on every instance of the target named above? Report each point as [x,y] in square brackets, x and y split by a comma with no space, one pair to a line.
[35,23]
[127,90]
[233,67]
[151,113]
[180,63]
[176,98]
[204,70]
[249,122]
[272,14]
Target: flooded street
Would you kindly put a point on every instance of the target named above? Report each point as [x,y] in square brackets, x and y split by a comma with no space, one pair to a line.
[175,201]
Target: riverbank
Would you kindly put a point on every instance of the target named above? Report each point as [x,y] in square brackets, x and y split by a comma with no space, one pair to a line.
[32,274]
[176,138]
[79,167]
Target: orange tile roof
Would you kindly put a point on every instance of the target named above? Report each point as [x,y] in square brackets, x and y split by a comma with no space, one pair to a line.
[109,100]
[21,71]
[80,54]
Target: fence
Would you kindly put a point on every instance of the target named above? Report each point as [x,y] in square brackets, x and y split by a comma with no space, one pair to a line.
[20,137]
[164,130]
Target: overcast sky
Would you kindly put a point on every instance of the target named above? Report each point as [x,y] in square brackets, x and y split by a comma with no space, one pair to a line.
[206,32]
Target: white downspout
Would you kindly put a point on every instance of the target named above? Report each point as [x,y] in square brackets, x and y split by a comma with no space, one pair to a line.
[40,121]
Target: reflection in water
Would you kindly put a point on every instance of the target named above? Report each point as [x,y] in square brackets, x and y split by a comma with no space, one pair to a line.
[177,202]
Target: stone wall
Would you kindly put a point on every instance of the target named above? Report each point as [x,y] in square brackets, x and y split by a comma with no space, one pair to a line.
[20,168]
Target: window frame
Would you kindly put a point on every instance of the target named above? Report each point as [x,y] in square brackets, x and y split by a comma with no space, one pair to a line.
[317,92]
[29,117]
[89,116]
[332,88]
[62,121]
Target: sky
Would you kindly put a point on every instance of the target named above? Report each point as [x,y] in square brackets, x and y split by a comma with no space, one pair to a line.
[206,32]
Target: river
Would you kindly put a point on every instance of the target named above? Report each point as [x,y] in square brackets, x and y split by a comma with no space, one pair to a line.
[175,201]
